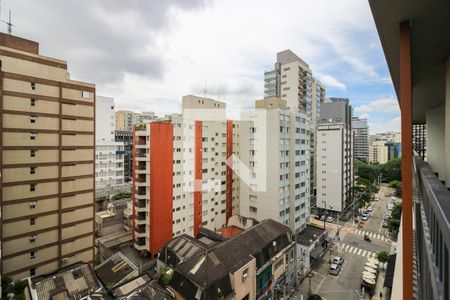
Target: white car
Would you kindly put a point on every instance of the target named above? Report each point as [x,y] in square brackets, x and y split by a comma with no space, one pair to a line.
[335,269]
[369,209]
[330,219]
[338,260]
[390,206]
[365,217]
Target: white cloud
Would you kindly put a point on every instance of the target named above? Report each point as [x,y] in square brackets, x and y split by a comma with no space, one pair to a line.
[390,125]
[364,116]
[385,105]
[177,50]
[330,81]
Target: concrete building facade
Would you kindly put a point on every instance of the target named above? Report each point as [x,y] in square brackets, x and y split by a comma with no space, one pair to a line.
[47,162]
[278,183]
[335,156]
[291,79]
[360,139]
[126,137]
[180,173]
[105,119]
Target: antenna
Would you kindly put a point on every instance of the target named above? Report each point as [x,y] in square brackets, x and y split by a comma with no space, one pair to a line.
[9,23]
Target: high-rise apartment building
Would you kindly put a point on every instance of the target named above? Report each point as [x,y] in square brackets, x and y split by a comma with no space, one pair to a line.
[378,152]
[47,162]
[126,137]
[275,145]
[291,79]
[109,154]
[360,139]
[180,173]
[125,119]
[105,119]
[335,156]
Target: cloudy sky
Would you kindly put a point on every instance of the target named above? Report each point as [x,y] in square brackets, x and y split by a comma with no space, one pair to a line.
[148,53]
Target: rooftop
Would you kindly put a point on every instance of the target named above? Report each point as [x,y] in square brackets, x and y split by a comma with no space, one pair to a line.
[309,235]
[73,282]
[115,270]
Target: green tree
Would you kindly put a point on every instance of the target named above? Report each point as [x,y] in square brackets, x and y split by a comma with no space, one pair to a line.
[6,286]
[394,221]
[365,171]
[392,170]
[383,256]
[397,185]
[164,278]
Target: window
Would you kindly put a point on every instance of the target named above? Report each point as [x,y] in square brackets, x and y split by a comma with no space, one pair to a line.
[32,102]
[32,119]
[32,153]
[33,135]
[33,254]
[32,221]
[32,170]
[245,275]
[32,271]
[85,94]
[32,238]
[32,187]
[32,204]
[33,85]
[253,209]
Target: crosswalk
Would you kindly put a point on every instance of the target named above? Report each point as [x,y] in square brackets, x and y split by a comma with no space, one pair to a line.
[342,247]
[372,235]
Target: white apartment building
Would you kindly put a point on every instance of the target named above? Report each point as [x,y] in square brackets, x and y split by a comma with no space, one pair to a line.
[109,155]
[108,164]
[334,156]
[274,146]
[181,178]
[291,79]
[105,119]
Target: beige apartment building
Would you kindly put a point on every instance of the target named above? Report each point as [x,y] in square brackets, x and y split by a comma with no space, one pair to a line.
[46,160]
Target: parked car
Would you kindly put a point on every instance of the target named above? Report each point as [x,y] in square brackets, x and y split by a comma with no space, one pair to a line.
[338,260]
[387,216]
[385,224]
[335,269]
[330,219]
[317,217]
[369,209]
[365,217]
[390,206]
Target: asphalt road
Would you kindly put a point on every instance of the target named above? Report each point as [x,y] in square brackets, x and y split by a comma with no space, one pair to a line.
[355,252]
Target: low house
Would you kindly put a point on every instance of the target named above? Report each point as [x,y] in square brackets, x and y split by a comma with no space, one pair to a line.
[142,287]
[116,270]
[311,243]
[247,265]
[73,282]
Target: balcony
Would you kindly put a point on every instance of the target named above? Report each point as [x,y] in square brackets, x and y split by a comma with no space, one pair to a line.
[141,155]
[431,208]
[140,206]
[140,244]
[140,232]
[141,180]
[140,218]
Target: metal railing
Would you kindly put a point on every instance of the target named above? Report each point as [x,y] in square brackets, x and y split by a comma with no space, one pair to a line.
[432,218]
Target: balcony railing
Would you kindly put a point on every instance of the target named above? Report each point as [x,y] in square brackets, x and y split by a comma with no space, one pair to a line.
[432,216]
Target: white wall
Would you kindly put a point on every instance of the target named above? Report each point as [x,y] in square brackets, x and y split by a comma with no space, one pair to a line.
[105,119]
[435,140]
[329,166]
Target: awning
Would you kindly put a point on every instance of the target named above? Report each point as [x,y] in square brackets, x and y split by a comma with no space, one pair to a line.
[389,276]
[316,253]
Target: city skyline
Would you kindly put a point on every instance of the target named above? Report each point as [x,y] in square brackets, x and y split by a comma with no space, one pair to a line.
[160,54]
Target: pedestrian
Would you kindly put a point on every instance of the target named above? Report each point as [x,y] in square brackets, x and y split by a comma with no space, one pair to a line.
[381,295]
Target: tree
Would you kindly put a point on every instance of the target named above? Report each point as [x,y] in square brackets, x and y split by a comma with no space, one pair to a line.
[6,286]
[383,256]
[368,172]
[397,185]
[164,278]
[394,221]
[392,170]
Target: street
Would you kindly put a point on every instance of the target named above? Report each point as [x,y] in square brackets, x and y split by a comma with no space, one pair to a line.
[355,251]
